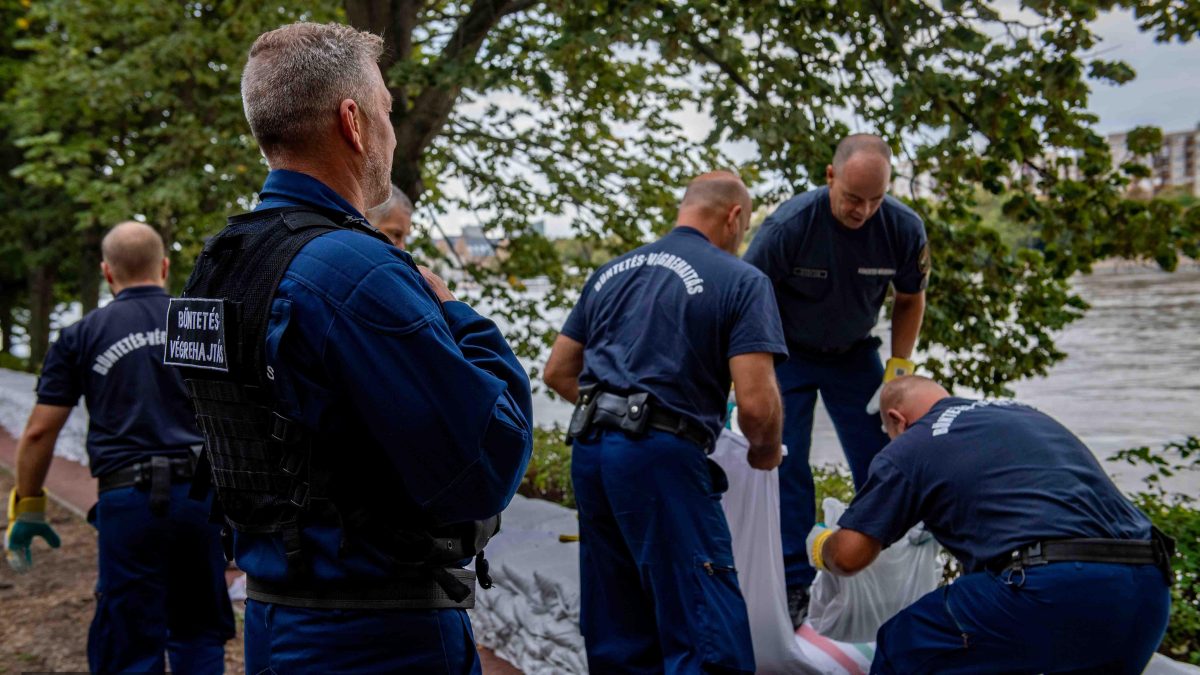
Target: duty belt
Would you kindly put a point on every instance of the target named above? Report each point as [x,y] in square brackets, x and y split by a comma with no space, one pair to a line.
[634,414]
[416,593]
[1156,551]
[156,475]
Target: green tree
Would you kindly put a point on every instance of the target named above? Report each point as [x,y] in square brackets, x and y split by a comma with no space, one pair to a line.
[523,110]
[566,108]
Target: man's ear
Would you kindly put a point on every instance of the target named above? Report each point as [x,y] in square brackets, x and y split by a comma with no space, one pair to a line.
[897,419]
[828,174]
[348,121]
[166,266]
[734,218]
[107,272]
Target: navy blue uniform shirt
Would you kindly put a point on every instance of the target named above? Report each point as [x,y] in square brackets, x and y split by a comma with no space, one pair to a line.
[666,318]
[431,405]
[988,477]
[113,358]
[830,281]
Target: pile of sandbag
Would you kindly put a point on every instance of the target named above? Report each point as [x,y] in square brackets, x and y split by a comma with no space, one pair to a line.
[531,617]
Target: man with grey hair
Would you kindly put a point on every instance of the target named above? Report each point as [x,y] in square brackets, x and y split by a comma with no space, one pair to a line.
[161,584]
[831,255]
[393,217]
[364,429]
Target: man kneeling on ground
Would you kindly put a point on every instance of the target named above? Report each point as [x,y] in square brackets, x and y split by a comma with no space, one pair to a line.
[1062,572]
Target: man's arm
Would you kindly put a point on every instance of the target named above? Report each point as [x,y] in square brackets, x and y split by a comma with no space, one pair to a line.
[27,503]
[563,368]
[845,552]
[35,449]
[760,411]
[907,314]
[440,389]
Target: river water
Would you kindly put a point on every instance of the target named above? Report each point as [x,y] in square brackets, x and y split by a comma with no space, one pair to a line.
[1131,378]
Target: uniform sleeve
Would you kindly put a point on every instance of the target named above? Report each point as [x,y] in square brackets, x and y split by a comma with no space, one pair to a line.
[61,382]
[443,379]
[576,326]
[757,326]
[912,274]
[887,507]
[767,251]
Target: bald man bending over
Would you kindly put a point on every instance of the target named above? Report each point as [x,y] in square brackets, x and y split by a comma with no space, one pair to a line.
[161,588]
[647,356]
[1063,573]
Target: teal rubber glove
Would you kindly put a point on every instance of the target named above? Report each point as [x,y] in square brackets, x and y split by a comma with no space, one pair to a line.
[26,520]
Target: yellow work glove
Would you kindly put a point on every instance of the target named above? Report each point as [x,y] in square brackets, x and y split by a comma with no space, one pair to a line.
[26,520]
[814,543]
[895,367]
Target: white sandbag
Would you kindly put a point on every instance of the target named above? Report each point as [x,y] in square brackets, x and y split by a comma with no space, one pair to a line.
[830,657]
[851,609]
[752,508]
[1161,665]
[531,617]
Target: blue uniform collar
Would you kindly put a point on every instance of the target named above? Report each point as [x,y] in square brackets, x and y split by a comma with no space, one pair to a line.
[688,229]
[292,188]
[139,291]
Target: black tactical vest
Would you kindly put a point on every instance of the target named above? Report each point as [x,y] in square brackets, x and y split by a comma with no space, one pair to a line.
[274,475]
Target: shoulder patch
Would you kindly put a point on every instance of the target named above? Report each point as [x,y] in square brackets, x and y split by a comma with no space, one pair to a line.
[196,334]
[924,263]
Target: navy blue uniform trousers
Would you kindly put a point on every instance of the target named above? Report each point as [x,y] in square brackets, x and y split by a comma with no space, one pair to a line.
[659,590]
[1058,618]
[846,384]
[161,588]
[282,639]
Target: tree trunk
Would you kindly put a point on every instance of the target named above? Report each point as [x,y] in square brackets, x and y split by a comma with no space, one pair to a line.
[6,328]
[420,120]
[166,230]
[89,272]
[41,304]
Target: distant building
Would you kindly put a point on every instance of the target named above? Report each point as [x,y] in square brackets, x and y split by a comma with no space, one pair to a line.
[1175,165]
[472,246]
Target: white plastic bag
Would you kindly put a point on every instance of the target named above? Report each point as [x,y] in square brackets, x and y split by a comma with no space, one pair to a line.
[752,508]
[851,609]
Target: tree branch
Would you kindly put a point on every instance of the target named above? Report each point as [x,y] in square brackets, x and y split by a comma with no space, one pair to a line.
[419,122]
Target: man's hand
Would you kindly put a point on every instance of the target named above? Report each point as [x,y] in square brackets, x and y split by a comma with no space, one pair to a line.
[896,367]
[765,460]
[26,520]
[815,543]
[435,282]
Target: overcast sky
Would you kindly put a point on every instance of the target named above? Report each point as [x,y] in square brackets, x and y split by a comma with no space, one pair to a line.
[1166,92]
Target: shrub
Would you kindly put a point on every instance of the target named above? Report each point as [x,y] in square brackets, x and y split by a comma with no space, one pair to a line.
[1178,515]
[549,474]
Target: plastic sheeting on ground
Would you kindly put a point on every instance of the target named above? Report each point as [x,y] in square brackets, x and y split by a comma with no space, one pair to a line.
[17,398]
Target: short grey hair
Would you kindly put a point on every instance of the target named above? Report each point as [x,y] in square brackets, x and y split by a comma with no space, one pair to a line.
[298,74]
[397,200]
[856,143]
